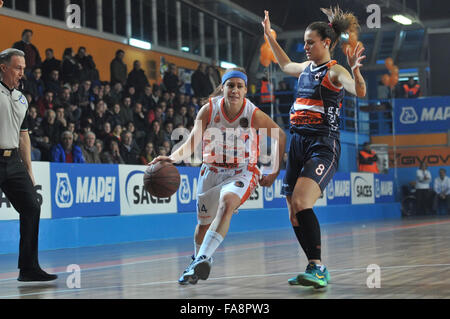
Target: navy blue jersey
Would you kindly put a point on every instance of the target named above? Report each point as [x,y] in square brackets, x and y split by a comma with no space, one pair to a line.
[318,102]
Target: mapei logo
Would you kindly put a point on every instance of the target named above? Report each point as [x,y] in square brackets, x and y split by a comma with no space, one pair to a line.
[383,188]
[89,189]
[362,187]
[184,192]
[338,188]
[408,115]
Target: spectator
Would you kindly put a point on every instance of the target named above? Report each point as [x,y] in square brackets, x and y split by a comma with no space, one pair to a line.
[118,69]
[74,92]
[90,152]
[112,154]
[156,95]
[117,132]
[53,83]
[88,69]
[70,67]
[148,154]
[99,145]
[168,129]
[170,115]
[72,111]
[50,63]
[411,89]
[34,84]
[106,133]
[45,103]
[85,99]
[265,89]
[156,135]
[441,192]
[171,80]
[101,116]
[129,149]
[126,111]
[423,180]
[66,152]
[156,115]
[115,115]
[367,159]
[215,73]
[200,82]
[181,117]
[137,78]
[32,56]
[117,93]
[61,118]
[146,98]
[213,76]
[131,93]
[140,123]
[34,122]
[107,94]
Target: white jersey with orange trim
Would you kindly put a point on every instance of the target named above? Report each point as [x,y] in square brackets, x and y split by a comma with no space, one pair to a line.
[230,152]
[230,143]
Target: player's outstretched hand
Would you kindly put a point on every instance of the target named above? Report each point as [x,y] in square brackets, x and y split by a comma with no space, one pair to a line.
[354,58]
[266,24]
[161,158]
[1,3]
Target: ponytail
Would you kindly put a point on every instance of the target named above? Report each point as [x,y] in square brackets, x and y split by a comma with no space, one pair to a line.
[338,24]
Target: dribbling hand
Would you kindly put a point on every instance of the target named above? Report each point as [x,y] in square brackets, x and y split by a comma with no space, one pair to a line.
[161,158]
[267,180]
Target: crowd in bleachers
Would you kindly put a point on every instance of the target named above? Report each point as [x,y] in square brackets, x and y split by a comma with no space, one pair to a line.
[75,117]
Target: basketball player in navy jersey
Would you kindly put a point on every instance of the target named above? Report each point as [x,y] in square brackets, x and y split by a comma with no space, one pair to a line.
[314,123]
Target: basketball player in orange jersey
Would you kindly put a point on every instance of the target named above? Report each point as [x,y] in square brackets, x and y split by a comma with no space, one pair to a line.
[314,123]
[226,127]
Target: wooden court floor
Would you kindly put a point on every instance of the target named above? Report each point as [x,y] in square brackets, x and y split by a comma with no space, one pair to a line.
[413,257]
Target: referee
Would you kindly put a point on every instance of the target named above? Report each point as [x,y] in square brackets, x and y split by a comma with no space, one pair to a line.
[16,176]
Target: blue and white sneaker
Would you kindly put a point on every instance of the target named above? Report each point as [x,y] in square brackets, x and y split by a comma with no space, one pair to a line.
[316,276]
[199,268]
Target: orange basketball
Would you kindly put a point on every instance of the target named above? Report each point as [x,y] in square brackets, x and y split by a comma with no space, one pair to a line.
[161,179]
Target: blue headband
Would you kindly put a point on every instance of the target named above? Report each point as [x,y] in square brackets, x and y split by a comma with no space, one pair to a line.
[234,74]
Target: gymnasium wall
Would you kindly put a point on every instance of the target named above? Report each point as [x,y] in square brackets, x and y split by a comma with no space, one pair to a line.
[423,129]
[102,50]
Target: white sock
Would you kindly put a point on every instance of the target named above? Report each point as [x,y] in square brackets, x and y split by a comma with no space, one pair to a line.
[197,248]
[210,243]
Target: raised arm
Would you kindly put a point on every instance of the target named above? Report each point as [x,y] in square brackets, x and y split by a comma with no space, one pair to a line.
[286,65]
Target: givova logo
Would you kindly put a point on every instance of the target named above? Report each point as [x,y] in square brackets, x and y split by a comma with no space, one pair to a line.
[89,189]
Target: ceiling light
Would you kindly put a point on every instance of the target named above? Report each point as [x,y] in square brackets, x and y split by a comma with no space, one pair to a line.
[402,19]
[140,44]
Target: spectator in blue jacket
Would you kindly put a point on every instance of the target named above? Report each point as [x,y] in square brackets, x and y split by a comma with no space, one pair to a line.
[66,151]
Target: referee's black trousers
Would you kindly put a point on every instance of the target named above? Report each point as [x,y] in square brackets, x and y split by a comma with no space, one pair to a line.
[16,184]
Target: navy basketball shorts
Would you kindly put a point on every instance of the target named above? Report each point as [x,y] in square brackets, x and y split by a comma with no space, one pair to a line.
[315,157]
